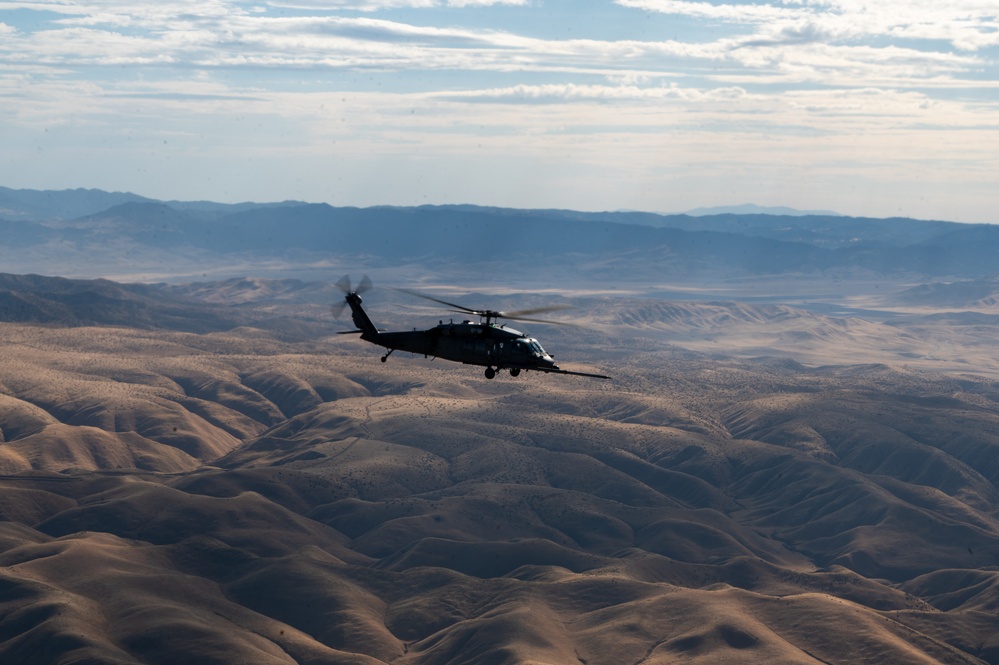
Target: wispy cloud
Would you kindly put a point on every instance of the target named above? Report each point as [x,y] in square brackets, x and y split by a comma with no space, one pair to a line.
[967,24]
[569,92]
[737,13]
[794,43]
[379,5]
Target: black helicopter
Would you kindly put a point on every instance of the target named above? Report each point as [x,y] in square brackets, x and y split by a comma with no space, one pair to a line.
[486,343]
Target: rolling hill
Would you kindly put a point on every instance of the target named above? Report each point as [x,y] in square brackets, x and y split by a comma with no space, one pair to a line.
[235,495]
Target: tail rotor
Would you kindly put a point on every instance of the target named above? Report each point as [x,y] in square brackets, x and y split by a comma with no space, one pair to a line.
[344,285]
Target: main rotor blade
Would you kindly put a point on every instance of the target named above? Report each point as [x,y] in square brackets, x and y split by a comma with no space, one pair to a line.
[530,320]
[520,313]
[442,302]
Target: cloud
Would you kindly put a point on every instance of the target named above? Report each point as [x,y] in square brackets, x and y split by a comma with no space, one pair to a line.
[966,24]
[556,93]
[736,13]
[486,3]
[790,43]
[380,5]
[797,33]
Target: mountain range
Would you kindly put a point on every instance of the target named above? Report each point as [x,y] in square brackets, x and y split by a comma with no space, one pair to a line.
[133,235]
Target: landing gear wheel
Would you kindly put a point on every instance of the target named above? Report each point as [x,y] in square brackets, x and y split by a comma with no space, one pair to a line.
[514,371]
[384,358]
[490,372]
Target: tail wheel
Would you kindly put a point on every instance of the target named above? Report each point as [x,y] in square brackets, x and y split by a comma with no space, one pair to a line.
[490,373]
[514,371]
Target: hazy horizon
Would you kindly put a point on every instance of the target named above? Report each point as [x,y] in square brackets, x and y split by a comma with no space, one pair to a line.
[744,208]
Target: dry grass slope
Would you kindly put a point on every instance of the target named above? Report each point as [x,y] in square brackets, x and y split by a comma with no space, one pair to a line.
[225,498]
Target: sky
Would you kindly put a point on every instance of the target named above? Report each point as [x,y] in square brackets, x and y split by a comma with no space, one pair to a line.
[879,109]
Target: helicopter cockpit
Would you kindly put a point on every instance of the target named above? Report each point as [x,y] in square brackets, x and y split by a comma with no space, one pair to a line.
[530,346]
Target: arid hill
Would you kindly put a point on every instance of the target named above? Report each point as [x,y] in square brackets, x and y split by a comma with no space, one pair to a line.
[244,496]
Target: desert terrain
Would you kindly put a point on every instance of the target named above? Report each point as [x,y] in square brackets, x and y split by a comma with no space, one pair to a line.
[233,482]
[795,461]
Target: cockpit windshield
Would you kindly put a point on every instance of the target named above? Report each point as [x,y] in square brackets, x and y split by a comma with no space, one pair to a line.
[535,347]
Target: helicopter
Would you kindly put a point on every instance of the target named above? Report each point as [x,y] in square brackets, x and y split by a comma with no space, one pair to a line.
[485,343]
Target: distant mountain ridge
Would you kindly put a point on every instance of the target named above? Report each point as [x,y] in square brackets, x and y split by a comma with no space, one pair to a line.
[47,205]
[643,247]
[753,209]
[831,231]
[41,205]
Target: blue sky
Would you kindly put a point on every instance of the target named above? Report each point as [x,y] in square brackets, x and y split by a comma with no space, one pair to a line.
[880,109]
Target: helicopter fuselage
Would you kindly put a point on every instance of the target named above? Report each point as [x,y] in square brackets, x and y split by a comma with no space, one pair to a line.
[488,345]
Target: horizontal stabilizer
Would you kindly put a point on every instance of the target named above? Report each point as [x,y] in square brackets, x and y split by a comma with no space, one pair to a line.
[565,371]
